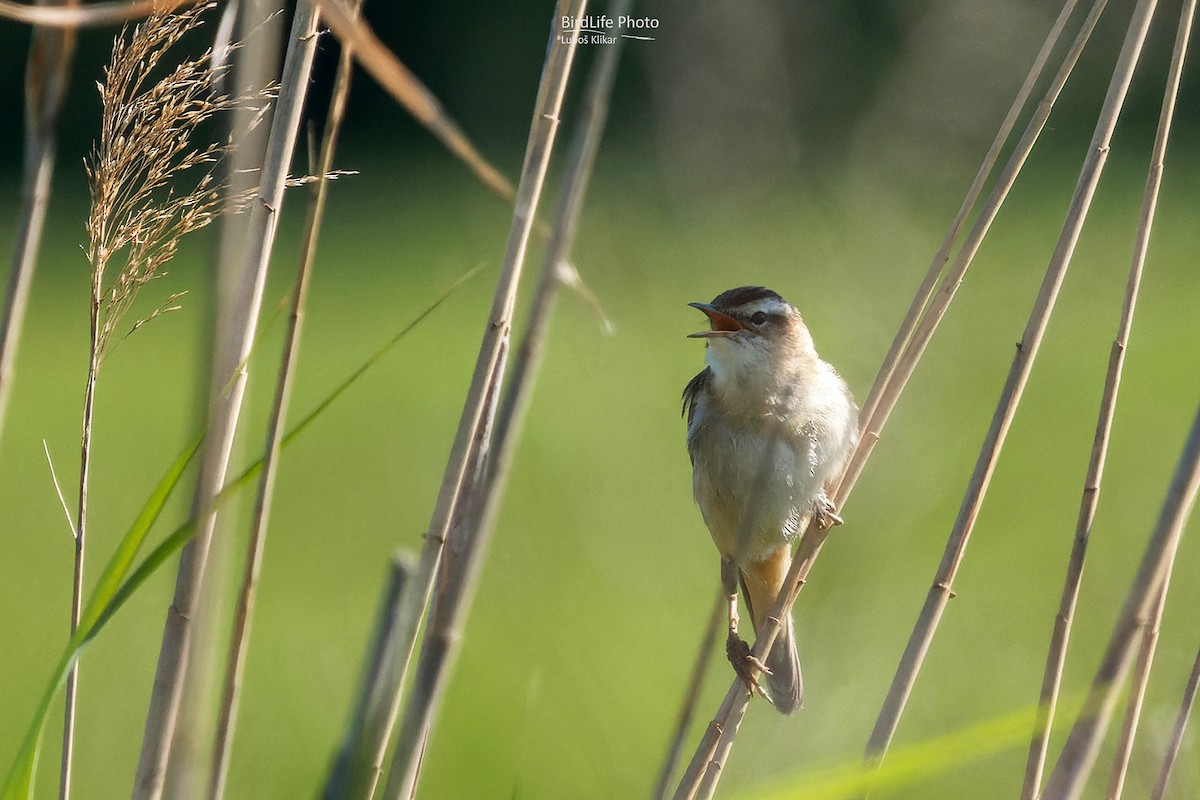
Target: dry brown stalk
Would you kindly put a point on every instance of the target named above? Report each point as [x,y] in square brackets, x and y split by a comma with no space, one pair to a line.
[90,15]
[353,32]
[1181,719]
[231,692]
[478,508]
[489,365]
[227,387]
[1056,657]
[1010,396]
[725,722]
[1083,744]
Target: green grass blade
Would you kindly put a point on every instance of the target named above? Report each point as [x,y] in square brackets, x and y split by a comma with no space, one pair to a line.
[911,764]
[19,783]
[122,559]
[113,588]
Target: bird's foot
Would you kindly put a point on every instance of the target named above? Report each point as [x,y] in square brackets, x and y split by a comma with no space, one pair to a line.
[826,513]
[747,667]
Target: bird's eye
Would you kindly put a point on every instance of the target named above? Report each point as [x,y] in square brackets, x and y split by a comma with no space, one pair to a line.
[759,318]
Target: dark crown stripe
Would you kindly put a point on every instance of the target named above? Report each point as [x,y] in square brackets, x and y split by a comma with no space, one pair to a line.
[742,295]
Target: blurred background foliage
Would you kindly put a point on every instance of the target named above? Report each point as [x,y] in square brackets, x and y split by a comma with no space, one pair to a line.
[817,148]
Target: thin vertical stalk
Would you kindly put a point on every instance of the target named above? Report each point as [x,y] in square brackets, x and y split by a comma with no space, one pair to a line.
[1181,720]
[1014,387]
[496,333]
[1056,657]
[925,290]
[227,389]
[46,75]
[460,576]
[1137,693]
[249,37]
[889,392]
[277,429]
[85,462]
[1083,744]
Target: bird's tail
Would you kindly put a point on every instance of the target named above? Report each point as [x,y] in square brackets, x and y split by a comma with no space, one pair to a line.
[761,582]
[785,684]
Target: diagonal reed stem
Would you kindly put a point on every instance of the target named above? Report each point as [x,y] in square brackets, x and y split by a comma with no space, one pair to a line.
[1181,719]
[354,32]
[235,341]
[277,428]
[1056,657]
[1014,387]
[925,290]
[1083,744]
[1137,692]
[459,577]
[906,363]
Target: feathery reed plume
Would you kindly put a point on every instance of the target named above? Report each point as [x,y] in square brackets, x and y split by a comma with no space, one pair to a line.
[146,149]
[140,211]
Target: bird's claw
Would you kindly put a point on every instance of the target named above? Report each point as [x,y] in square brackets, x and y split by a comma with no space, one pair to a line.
[826,514]
[747,667]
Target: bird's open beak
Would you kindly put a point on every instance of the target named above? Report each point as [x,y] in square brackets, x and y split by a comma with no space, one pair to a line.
[722,324]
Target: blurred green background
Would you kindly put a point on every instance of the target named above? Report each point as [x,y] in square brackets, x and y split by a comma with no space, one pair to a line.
[819,149]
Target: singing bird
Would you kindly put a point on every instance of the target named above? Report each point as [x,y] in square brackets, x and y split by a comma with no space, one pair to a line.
[770,428]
